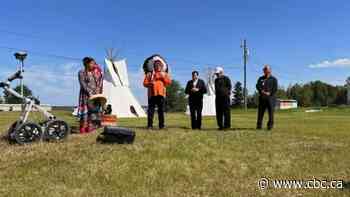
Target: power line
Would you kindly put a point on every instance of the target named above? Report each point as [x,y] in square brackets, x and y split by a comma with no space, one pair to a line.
[172,60]
[41,54]
[23,35]
[290,72]
[79,59]
[181,60]
[176,60]
[31,36]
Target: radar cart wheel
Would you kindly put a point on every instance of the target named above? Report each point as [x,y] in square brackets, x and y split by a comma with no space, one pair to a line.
[28,133]
[56,130]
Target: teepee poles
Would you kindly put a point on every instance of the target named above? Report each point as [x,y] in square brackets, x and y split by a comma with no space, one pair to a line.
[111,57]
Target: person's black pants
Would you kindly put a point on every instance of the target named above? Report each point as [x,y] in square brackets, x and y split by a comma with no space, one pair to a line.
[154,101]
[196,114]
[269,104]
[223,112]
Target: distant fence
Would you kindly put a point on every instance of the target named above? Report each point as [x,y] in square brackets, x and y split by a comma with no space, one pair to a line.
[63,108]
[18,107]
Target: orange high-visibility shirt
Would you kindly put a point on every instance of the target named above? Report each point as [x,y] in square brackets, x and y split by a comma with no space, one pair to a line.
[156,84]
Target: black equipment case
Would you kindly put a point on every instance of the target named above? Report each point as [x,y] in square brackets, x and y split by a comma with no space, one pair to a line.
[118,135]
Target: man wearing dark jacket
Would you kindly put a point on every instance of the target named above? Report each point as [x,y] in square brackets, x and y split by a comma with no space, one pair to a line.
[195,89]
[267,87]
[222,99]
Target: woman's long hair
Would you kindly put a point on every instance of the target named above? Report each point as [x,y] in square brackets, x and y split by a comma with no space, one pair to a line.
[88,60]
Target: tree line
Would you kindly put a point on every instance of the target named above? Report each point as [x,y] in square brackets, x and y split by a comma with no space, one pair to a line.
[10,99]
[311,94]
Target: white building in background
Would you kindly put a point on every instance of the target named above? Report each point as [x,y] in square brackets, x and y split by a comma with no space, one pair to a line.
[286,104]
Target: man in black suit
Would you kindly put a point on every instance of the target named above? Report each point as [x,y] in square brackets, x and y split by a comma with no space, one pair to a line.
[223,89]
[195,88]
[267,87]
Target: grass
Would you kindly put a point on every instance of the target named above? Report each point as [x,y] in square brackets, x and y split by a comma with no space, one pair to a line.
[182,162]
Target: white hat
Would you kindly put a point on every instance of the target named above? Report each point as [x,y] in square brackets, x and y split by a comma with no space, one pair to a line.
[151,63]
[157,58]
[219,70]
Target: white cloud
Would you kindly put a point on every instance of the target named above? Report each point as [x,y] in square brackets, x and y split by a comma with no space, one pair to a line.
[53,84]
[338,63]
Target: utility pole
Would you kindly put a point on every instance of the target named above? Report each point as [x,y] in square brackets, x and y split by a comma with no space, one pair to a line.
[245,57]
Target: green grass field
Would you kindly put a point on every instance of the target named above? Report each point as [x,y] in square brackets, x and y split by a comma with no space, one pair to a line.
[182,162]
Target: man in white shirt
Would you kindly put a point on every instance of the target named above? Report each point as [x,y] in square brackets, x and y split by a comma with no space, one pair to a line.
[195,88]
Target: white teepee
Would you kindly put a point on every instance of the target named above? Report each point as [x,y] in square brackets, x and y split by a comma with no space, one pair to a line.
[117,91]
[209,108]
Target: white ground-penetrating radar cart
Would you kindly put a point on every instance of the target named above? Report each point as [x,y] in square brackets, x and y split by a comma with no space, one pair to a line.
[24,131]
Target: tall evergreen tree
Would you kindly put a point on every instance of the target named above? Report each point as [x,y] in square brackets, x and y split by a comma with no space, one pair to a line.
[347,85]
[347,82]
[320,93]
[176,98]
[341,98]
[238,98]
[253,100]
[281,93]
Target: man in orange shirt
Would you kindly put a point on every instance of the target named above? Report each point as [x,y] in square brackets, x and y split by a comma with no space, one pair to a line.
[156,84]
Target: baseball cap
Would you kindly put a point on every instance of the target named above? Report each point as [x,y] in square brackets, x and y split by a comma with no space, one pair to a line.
[219,70]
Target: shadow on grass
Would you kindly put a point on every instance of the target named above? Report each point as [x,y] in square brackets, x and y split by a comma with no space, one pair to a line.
[242,129]
[189,128]
[74,129]
[346,185]
[4,138]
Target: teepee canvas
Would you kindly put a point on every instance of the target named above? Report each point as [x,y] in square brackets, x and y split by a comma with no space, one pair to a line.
[117,91]
[209,108]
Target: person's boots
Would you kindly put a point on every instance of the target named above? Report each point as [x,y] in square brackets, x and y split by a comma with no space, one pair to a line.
[269,127]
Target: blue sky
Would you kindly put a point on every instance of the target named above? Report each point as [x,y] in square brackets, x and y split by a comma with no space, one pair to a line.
[302,40]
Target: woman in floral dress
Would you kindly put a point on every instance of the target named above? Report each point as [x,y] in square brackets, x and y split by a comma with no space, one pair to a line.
[91,83]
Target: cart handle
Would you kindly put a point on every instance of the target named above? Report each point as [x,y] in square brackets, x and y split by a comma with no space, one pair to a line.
[3,85]
[16,75]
